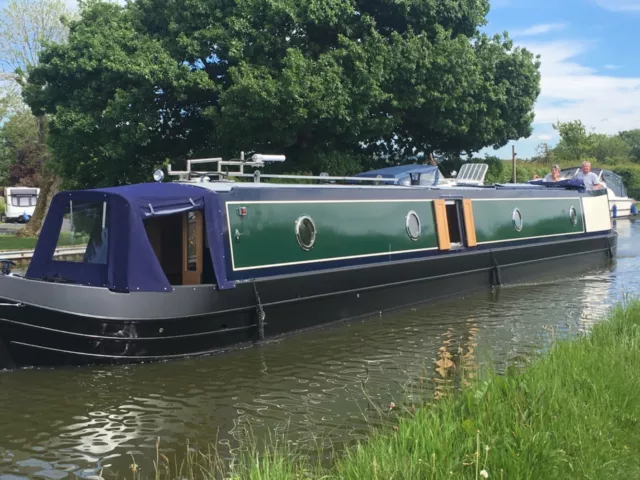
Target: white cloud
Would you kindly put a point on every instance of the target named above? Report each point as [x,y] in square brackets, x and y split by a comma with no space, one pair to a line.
[545,137]
[611,67]
[571,90]
[539,29]
[620,5]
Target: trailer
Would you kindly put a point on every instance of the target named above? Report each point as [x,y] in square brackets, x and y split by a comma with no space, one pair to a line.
[20,203]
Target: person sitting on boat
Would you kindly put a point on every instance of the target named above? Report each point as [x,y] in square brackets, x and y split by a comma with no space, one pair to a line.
[98,245]
[554,176]
[589,178]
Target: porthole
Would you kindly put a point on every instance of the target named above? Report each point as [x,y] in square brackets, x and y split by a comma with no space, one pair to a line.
[573,216]
[305,232]
[413,225]
[516,216]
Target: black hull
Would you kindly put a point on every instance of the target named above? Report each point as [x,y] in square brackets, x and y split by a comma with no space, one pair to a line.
[35,336]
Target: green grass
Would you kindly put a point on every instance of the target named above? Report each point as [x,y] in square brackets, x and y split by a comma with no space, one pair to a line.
[573,413]
[13,242]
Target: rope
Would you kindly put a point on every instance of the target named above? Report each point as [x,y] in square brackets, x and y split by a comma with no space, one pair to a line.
[496,271]
[260,313]
[609,249]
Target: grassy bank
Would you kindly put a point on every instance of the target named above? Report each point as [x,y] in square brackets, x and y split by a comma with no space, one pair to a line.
[13,242]
[573,413]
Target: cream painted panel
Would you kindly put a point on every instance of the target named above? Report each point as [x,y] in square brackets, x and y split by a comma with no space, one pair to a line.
[596,213]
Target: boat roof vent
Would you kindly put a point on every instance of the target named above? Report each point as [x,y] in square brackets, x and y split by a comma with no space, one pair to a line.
[472,173]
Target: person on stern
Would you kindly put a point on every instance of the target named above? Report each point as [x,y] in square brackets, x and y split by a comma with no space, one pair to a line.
[589,178]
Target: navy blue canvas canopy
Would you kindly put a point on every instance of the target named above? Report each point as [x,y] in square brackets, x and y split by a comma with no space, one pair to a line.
[131,263]
[402,172]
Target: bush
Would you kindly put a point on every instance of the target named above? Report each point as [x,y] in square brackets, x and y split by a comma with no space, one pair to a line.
[630,174]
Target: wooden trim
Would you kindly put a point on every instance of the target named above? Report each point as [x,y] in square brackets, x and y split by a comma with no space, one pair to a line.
[192,277]
[442,226]
[469,224]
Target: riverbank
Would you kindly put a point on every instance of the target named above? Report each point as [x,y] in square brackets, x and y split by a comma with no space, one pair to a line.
[572,413]
[14,242]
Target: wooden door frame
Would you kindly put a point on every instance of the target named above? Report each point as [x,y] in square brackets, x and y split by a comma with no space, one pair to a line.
[192,277]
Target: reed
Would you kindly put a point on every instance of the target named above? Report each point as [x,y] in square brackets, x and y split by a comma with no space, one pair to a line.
[572,413]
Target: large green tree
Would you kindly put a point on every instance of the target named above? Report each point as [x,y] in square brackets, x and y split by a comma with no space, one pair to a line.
[327,82]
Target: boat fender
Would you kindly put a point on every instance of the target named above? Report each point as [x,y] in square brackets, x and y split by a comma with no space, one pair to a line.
[614,211]
[496,271]
[634,209]
[5,358]
[260,312]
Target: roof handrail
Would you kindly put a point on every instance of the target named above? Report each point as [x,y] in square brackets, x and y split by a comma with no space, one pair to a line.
[257,160]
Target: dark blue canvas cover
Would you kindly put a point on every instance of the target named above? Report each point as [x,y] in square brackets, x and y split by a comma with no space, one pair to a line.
[131,263]
[571,184]
[401,172]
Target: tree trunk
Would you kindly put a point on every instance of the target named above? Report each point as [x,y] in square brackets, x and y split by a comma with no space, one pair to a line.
[50,186]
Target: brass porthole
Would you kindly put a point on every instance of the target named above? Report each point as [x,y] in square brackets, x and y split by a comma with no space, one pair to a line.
[516,217]
[413,225]
[305,232]
[573,216]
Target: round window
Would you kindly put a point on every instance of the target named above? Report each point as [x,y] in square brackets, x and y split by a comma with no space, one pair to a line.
[517,219]
[305,232]
[413,225]
[573,216]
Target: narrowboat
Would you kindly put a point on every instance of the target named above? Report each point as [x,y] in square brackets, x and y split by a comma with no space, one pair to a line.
[224,258]
[620,205]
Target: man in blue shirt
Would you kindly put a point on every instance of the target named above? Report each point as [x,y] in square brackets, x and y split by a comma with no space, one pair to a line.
[589,178]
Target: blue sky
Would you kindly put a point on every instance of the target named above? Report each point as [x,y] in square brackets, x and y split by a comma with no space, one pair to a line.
[590,62]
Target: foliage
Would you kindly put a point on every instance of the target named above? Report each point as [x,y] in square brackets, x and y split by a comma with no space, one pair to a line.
[527,425]
[26,27]
[609,150]
[575,142]
[630,174]
[20,151]
[329,83]
[632,138]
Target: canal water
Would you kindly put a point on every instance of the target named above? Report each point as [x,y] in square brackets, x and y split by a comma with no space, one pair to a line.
[69,423]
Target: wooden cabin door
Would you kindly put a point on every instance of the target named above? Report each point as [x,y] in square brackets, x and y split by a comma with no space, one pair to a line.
[192,248]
